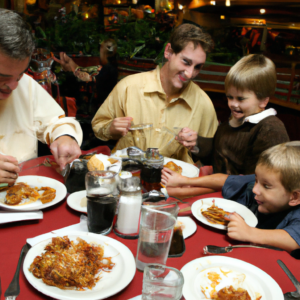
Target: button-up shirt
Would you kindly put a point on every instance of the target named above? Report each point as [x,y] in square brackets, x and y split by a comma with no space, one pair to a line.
[141,96]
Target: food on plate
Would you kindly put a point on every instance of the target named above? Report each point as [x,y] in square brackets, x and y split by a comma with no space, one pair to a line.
[21,190]
[71,265]
[48,194]
[100,162]
[215,215]
[233,294]
[172,166]
[220,283]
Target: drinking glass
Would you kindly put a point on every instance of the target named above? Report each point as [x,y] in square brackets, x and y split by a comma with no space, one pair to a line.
[161,282]
[101,200]
[155,235]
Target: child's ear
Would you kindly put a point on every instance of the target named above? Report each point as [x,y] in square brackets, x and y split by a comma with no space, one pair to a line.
[263,103]
[295,198]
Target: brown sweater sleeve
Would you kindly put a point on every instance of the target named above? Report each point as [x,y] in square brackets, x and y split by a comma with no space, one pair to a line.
[270,132]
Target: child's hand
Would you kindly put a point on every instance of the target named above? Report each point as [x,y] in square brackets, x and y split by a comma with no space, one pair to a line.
[238,228]
[171,178]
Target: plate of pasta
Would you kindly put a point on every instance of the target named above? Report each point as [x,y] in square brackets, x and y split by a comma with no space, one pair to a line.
[85,266]
[211,211]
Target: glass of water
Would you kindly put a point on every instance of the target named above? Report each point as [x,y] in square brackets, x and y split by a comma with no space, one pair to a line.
[161,282]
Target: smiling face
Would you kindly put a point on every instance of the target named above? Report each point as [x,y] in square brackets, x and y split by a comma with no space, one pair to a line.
[183,66]
[11,71]
[244,103]
[271,196]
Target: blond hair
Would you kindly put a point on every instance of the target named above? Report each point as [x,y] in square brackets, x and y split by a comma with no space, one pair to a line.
[284,159]
[253,72]
[186,33]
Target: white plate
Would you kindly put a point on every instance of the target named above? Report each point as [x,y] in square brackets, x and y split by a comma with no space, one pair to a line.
[227,205]
[37,181]
[189,226]
[110,282]
[255,279]
[188,170]
[74,201]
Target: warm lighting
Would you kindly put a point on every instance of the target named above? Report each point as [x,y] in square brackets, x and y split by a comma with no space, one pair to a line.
[262,11]
[180,6]
[86,15]
[213,2]
[222,17]
[227,3]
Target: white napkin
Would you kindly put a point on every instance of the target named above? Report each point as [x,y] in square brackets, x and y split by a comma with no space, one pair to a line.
[81,226]
[137,298]
[9,216]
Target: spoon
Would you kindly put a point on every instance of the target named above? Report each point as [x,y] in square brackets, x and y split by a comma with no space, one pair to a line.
[290,295]
[210,249]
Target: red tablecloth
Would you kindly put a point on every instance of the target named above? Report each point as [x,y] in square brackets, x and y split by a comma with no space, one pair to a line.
[13,236]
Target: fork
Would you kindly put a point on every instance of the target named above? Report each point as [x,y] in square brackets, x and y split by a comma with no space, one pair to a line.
[13,289]
[210,249]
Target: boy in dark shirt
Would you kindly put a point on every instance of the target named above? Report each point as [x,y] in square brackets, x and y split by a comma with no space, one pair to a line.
[273,194]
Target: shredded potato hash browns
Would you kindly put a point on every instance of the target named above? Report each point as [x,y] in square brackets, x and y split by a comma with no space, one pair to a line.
[70,265]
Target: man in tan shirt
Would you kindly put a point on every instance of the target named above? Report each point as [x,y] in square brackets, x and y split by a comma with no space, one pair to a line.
[165,96]
[27,112]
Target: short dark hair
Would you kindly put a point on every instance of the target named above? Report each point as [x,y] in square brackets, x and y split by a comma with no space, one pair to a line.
[186,33]
[16,40]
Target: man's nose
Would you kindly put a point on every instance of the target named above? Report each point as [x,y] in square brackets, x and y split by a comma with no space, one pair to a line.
[188,73]
[12,84]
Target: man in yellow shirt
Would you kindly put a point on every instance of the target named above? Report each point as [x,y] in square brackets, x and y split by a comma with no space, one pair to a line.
[165,96]
[27,112]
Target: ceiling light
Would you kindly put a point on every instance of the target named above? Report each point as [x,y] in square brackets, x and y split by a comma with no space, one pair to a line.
[213,2]
[180,6]
[262,11]
[222,17]
[227,3]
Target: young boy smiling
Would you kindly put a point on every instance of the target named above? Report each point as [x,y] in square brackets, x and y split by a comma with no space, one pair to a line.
[273,194]
[252,128]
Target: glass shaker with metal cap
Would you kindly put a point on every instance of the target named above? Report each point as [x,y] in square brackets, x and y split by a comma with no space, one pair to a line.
[130,203]
[151,170]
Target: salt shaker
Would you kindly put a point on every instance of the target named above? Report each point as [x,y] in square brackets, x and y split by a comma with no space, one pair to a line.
[127,224]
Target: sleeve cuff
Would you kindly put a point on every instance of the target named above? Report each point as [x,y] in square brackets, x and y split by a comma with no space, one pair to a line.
[65,130]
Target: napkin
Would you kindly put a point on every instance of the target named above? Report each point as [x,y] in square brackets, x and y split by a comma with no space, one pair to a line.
[81,226]
[137,298]
[8,216]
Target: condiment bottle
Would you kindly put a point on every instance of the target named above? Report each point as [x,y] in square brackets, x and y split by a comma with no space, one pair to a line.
[151,170]
[127,224]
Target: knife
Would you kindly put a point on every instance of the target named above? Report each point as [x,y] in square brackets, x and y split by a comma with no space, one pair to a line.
[13,289]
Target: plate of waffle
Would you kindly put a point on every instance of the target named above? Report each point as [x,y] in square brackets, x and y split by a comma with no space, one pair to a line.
[32,193]
[212,211]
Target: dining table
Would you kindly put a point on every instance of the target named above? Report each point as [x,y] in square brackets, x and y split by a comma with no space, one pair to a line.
[13,236]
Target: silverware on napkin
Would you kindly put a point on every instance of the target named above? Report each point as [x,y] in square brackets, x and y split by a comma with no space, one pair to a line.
[13,289]
[210,249]
[296,283]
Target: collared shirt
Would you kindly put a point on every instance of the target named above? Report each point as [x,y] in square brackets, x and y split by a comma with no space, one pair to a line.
[256,118]
[142,97]
[30,114]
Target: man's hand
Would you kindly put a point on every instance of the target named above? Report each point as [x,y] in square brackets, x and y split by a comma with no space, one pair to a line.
[9,169]
[65,150]
[67,63]
[238,229]
[120,126]
[170,178]
[187,137]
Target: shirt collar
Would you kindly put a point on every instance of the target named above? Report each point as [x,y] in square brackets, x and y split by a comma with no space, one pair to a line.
[255,119]
[154,85]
